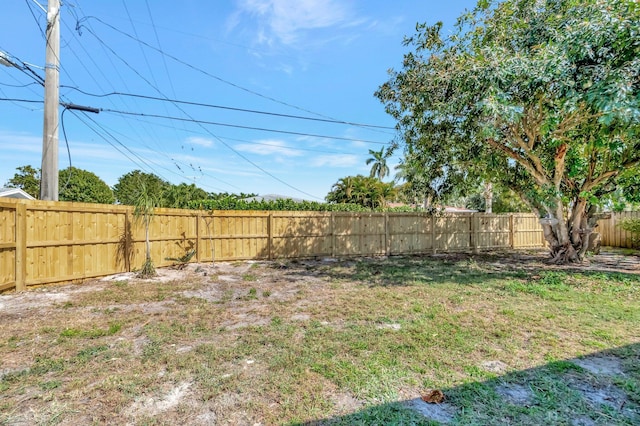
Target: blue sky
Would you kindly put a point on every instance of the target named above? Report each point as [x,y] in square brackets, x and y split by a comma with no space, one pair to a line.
[306,58]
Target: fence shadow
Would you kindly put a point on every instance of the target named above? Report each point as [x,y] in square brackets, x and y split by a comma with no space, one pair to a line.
[124,250]
[601,388]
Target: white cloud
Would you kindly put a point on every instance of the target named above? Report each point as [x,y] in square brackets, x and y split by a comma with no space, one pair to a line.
[335,160]
[18,141]
[283,21]
[269,147]
[197,140]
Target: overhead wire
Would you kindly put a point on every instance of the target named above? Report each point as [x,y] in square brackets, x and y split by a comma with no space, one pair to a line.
[116,70]
[125,149]
[144,54]
[35,19]
[324,151]
[222,80]
[18,85]
[229,108]
[22,100]
[25,68]
[175,162]
[238,126]
[164,60]
[150,132]
[239,154]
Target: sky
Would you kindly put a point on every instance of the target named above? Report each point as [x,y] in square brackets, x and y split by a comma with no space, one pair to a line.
[252,96]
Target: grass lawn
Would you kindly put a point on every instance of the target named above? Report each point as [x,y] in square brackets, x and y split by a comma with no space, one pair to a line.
[505,339]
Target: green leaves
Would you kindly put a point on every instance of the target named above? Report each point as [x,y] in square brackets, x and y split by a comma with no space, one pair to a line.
[368,192]
[83,186]
[27,179]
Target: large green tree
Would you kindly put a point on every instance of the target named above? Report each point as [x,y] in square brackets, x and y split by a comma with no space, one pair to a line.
[127,190]
[542,97]
[28,179]
[83,186]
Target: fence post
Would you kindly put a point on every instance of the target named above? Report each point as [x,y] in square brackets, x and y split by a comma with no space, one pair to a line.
[332,224]
[21,247]
[472,233]
[128,237]
[270,236]
[198,237]
[433,233]
[511,232]
[387,237]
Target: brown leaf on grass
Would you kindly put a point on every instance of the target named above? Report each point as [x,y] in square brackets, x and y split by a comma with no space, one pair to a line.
[433,396]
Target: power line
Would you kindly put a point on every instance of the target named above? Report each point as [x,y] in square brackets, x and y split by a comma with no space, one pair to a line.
[164,60]
[22,100]
[35,19]
[18,85]
[22,66]
[324,151]
[238,126]
[237,86]
[206,105]
[105,78]
[239,154]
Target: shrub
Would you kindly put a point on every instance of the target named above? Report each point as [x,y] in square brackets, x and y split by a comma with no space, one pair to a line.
[632,225]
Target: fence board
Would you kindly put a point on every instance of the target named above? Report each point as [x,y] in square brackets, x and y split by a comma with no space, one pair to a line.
[46,242]
[612,233]
[8,245]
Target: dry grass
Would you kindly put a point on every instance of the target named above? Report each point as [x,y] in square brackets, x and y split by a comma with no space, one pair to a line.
[337,342]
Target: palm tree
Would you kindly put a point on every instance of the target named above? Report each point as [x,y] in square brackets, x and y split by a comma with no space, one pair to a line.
[145,204]
[379,160]
[342,191]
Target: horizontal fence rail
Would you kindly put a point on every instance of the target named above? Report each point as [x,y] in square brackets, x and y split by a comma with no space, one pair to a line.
[43,242]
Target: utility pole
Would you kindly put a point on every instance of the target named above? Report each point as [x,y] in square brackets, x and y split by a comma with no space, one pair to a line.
[49,173]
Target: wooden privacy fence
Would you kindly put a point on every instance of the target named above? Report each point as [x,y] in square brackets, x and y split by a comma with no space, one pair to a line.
[45,242]
[612,234]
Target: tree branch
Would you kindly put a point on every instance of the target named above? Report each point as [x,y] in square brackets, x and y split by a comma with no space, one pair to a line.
[540,178]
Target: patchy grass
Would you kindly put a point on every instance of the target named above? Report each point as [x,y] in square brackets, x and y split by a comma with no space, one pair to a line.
[350,342]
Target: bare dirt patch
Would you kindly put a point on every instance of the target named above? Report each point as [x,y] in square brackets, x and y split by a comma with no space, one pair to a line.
[600,365]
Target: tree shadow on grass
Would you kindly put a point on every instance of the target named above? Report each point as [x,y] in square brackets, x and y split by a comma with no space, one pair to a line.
[459,268]
[599,389]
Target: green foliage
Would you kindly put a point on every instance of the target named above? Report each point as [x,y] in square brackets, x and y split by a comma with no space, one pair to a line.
[540,97]
[233,203]
[27,179]
[127,189]
[632,225]
[180,196]
[428,179]
[83,186]
[366,191]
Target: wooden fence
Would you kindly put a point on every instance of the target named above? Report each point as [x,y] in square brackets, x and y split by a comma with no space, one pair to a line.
[44,242]
[611,232]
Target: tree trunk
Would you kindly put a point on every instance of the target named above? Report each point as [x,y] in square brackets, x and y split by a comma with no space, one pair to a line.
[488,197]
[146,235]
[568,238]
[426,203]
